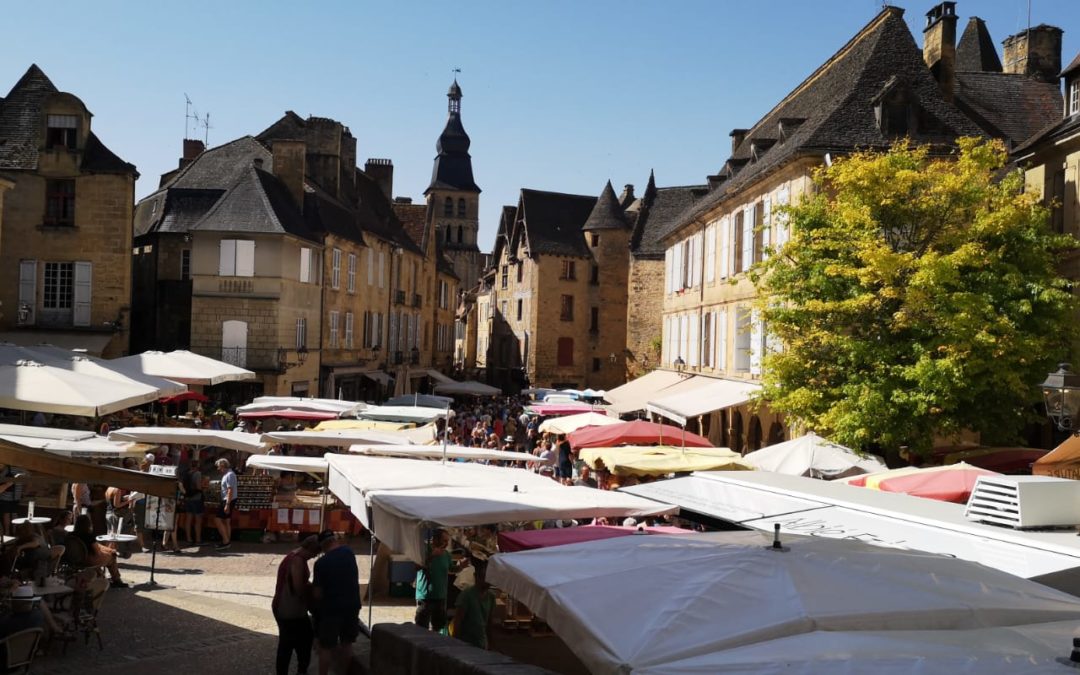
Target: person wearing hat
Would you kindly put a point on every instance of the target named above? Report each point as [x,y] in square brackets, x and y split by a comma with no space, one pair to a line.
[336,593]
[223,521]
[292,597]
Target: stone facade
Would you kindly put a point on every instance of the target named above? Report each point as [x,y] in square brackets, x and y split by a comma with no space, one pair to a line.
[65,245]
[645,312]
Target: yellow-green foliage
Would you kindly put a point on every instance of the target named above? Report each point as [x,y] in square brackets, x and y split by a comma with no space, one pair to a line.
[915,296]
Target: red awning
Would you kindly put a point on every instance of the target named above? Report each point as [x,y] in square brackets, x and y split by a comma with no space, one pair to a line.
[186,396]
[946,486]
[289,414]
[636,432]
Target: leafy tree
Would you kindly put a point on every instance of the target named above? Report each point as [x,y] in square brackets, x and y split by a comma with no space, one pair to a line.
[916,296]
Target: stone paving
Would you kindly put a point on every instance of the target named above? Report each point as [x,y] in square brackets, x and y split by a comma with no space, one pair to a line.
[210,614]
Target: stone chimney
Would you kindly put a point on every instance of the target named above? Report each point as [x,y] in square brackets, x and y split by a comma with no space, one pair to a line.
[382,172]
[290,167]
[193,147]
[939,47]
[737,136]
[1035,52]
[627,195]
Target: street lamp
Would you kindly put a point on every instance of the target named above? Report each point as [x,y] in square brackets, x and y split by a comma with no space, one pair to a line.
[679,363]
[612,359]
[301,354]
[1061,391]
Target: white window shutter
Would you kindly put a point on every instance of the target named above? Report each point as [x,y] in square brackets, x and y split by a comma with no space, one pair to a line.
[782,233]
[227,258]
[684,337]
[665,341]
[721,340]
[82,292]
[694,347]
[677,280]
[669,271]
[245,258]
[710,253]
[305,265]
[756,343]
[695,253]
[766,233]
[725,245]
[27,292]
[371,267]
[382,269]
[748,238]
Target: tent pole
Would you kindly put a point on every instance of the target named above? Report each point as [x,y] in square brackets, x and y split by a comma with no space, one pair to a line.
[322,508]
[371,572]
[445,434]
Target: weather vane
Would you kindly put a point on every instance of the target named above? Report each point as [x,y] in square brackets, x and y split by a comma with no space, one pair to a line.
[457,71]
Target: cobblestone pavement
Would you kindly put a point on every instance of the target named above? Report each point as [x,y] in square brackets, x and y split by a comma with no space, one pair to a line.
[209,614]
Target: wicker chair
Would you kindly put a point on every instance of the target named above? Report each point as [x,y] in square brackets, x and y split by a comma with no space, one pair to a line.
[20,649]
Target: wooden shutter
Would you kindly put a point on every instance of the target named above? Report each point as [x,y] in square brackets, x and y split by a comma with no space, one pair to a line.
[782,233]
[665,341]
[725,245]
[382,269]
[694,347]
[245,258]
[82,292]
[566,351]
[755,342]
[766,230]
[27,292]
[710,253]
[748,239]
[669,270]
[227,258]
[721,339]
[695,258]
[305,265]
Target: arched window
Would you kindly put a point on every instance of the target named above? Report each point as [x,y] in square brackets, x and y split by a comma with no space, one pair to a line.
[460,234]
[753,435]
[234,342]
[448,207]
[776,433]
[447,234]
[461,208]
[735,432]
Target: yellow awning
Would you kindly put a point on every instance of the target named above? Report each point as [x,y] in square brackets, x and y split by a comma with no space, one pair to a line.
[659,460]
[363,425]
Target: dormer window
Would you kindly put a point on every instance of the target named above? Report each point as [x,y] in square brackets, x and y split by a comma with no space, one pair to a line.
[61,131]
[1074,96]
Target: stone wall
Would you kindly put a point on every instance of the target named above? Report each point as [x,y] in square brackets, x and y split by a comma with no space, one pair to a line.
[644,314]
[407,649]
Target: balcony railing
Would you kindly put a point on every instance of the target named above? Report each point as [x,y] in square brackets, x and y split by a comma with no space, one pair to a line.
[238,286]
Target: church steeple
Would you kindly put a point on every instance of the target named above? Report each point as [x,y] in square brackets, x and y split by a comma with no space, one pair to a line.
[453,165]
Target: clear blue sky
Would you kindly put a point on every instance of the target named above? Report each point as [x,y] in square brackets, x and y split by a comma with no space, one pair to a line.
[558,95]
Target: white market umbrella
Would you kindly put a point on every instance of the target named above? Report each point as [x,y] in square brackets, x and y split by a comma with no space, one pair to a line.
[184,366]
[336,438]
[813,456]
[97,447]
[564,425]
[437,452]
[214,438]
[694,599]
[86,365]
[401,413]
[270,403]
[30,385]
[468,388]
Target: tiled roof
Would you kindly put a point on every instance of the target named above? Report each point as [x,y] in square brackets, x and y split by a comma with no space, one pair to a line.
[377,215]
[836,103]
[257,203]
[221,166]
[413,218]
[607,214]
[976,51]
[552,222]
[21,130]
[1009,106]
[1073,65]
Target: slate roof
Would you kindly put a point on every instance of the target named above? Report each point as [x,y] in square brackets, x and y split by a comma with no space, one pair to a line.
[1073,65]
[21,131]
[223,165]
[976,51]
[257,203]
[1013,107]
[658,210]
[837,103]
[377,216]
[413,218]
[550,222]
[607,214]
[453,165]
[503,232]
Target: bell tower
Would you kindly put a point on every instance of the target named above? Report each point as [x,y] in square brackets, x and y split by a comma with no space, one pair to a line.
[453,198]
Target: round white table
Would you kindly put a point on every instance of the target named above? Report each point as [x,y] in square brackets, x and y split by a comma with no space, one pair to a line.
[37,520]
[59,589]
[116,538]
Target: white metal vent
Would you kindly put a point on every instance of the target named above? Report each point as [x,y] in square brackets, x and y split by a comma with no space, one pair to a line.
[1023,502]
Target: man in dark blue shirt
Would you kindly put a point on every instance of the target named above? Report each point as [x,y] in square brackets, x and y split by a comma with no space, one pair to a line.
[336,590]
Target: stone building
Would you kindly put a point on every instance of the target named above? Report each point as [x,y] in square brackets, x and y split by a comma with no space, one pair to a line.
[879,87]
[558,305]
[65,244]
[246,254]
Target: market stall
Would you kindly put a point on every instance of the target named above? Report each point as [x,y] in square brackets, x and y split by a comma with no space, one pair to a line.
[402,413]
[467,388]
[215,438]
[636,432]
[528,540]
[182,366]
[1061,462]
[813,456]
[336,438]
[571,423]
[661,460]
[304,509]
[729,603]
[453,452]
[33,386]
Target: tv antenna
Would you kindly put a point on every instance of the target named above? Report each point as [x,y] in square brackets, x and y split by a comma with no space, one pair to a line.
[193,121]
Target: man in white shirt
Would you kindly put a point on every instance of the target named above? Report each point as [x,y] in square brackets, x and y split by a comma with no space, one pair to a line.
[223,521]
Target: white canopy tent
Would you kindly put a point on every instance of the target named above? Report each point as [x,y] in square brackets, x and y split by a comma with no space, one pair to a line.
[400,516]
[232,440]
[328,405]
[468,388]
[436,452]
[695,599]
[635,394]
[313,465]
[30,385]
[418,399]
[401,413]
[82,364]
[184,366]
[68,442]
[815,457]
[697,398]
[564,425]
[337,438]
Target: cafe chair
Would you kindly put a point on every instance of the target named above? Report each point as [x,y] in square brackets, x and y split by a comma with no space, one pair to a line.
[84,611]
[20,648]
